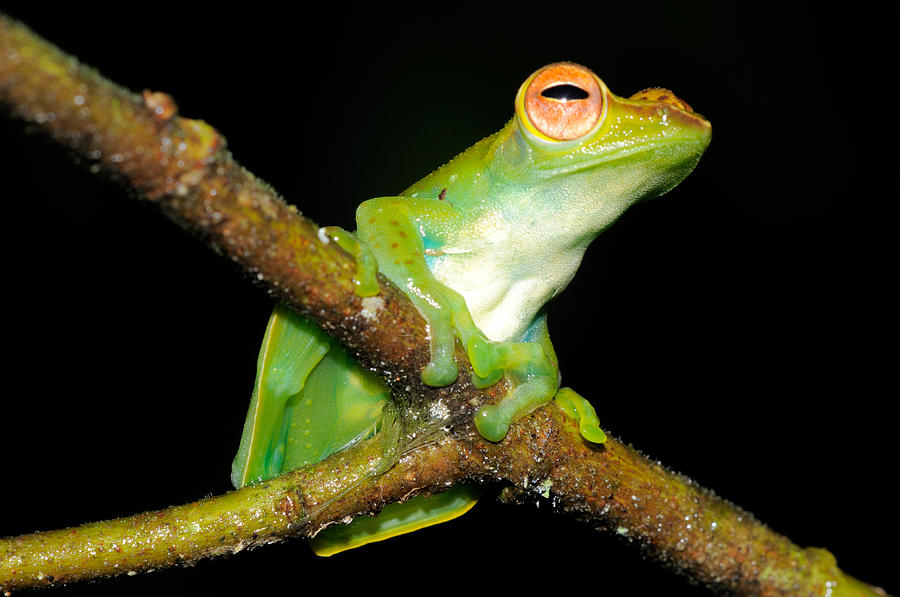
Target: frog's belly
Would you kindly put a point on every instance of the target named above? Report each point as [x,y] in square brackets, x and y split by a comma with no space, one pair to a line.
[503,305]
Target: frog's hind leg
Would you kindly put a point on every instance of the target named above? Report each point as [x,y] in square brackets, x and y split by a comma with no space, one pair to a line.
[310,400]
[354,389]
[291,348]
[357,406]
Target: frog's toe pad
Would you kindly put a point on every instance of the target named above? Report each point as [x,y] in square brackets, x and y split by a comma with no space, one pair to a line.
[491,423]
[439,375]
[592,433]
[481,355]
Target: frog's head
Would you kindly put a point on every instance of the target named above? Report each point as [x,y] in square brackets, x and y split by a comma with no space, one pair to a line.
[592,153]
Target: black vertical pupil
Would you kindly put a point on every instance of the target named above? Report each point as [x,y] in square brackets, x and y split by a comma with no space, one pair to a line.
[565,93]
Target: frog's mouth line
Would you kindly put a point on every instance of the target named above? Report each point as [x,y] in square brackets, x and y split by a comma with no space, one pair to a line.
[624,153]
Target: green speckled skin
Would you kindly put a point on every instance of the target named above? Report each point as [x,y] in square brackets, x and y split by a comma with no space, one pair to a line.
[479,246]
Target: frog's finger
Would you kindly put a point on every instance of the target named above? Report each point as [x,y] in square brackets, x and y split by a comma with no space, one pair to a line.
[493,420]
[481,354]
[578,408]
[366,277]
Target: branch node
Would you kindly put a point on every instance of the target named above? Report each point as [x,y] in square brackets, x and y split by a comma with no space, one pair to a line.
[160,104]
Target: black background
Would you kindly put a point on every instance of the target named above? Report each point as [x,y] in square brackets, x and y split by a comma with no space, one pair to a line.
[740,329]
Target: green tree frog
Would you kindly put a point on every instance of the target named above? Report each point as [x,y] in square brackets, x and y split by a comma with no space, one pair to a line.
[479,246]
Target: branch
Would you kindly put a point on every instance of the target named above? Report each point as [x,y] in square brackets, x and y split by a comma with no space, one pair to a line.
[183,166]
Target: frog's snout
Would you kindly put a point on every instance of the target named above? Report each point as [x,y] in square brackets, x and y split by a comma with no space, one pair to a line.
[661,94]
[684,115]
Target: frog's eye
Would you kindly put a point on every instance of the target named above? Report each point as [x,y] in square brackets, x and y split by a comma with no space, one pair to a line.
[561,102]
[659,94]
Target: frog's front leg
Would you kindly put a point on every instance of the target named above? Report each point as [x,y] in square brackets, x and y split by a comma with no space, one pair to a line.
[533,381]
[538,388]
[396,231]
